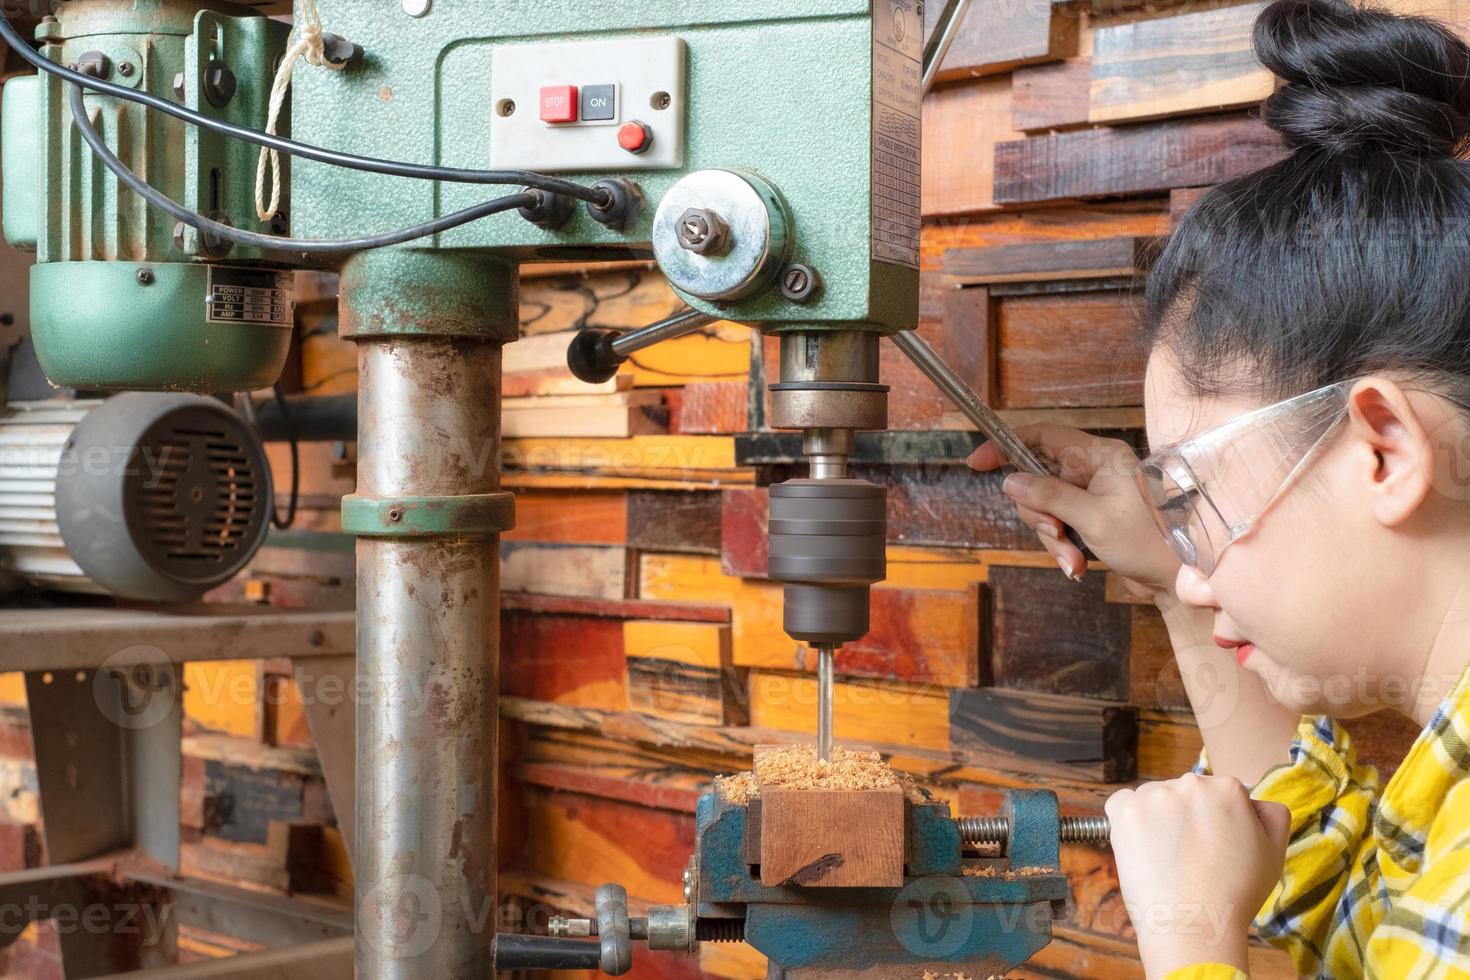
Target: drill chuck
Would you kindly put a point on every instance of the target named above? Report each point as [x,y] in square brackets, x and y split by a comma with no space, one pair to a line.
[827,547]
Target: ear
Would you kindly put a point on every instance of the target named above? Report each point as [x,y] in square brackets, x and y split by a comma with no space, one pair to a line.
[1392,447]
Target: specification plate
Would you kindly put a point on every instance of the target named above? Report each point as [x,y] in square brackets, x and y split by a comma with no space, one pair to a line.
[260,297]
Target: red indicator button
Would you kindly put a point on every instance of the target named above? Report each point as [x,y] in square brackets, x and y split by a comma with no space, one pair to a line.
[559,104]
[635,137]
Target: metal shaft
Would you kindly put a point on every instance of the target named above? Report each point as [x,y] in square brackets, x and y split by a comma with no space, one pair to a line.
[951,18]
[675,326]
[969,403]
[427,613]
[825,655]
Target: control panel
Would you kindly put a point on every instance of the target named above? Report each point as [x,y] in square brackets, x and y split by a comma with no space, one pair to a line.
[588,105]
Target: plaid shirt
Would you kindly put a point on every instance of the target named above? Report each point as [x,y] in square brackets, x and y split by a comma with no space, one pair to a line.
[1375,884]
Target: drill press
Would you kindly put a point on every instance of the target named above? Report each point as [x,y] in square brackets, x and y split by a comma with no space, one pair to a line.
[774,188]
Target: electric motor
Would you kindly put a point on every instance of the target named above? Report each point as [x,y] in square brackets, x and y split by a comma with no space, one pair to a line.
[156,497]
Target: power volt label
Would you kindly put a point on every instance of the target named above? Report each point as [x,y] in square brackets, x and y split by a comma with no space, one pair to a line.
[898,53]
[260,297]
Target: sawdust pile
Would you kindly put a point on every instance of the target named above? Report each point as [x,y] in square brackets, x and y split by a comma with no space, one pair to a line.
[797,767]
[1008,873]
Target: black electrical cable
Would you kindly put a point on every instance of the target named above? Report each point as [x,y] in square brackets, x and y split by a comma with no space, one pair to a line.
[290,518]
[306,151]
[247,409]
[226,232]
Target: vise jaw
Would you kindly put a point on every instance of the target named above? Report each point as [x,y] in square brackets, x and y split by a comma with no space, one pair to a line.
[950,911]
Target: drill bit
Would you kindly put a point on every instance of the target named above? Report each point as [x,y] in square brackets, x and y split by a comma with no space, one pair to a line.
[825,653]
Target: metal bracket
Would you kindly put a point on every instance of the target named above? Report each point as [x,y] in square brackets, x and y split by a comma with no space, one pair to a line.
[483,513]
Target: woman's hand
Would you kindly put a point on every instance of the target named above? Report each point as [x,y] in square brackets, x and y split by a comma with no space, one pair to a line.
[1197,857]
[1094,492]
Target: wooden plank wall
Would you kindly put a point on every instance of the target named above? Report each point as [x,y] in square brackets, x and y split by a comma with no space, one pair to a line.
[642,643]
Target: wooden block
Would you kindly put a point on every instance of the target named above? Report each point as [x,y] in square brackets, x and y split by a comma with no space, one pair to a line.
[571,517]
[997,37]
[1131,159]
[613,416]
[684,458]
[598,572]
[682,672]
[692,612]
[820,838]
[1051,96]
[1056,636]
[1193,62]
[920,635]
[712,407]
[963,124]
[968,339]
[744,541]
[566,659]
[914,403]
[1071,350]
[686,522]
[1097,738]
[593,840]
[1153,673]
[1065,221]
[886,713]
[1181,199]
[1038,262]
[1169,743]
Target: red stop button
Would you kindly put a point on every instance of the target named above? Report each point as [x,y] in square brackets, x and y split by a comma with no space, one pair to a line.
[635,137]
[559,104]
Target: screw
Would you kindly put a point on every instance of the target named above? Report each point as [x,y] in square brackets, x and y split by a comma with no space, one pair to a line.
[316,638]
[660,100]
[395,514]
[704,232]
[125,69]
[145,277]
[800,283]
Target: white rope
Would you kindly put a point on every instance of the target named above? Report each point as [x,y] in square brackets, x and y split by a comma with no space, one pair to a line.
[306,41]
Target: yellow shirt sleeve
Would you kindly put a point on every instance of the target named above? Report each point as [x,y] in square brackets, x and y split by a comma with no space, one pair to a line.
[1206,971]
[1330,797]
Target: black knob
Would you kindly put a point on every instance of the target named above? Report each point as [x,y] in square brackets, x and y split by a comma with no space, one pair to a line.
[591,357]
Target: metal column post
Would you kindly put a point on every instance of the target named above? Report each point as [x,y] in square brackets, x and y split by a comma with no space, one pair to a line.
[428,512]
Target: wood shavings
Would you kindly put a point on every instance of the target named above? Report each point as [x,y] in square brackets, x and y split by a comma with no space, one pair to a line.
[990,871]
[797,767]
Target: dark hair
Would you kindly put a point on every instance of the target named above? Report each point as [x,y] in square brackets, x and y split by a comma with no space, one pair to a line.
[1350,255]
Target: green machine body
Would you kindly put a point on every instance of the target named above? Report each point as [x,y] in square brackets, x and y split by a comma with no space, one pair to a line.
[122,297]
[812,105]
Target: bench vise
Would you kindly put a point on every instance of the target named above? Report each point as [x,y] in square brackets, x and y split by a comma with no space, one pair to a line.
[973,896]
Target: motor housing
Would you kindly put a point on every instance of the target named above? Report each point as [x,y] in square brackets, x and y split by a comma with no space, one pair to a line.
[154,497]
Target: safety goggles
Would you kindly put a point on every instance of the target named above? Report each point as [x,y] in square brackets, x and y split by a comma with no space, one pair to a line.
[1210,490]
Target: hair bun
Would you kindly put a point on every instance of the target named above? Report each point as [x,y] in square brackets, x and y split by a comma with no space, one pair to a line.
[1361,77]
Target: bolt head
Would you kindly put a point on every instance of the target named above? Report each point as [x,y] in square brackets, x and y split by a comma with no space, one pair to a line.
[395,515]
[219,84]
[703,232]
[800,283]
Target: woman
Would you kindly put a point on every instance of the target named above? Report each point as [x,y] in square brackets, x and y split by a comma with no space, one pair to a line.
[1308,328]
